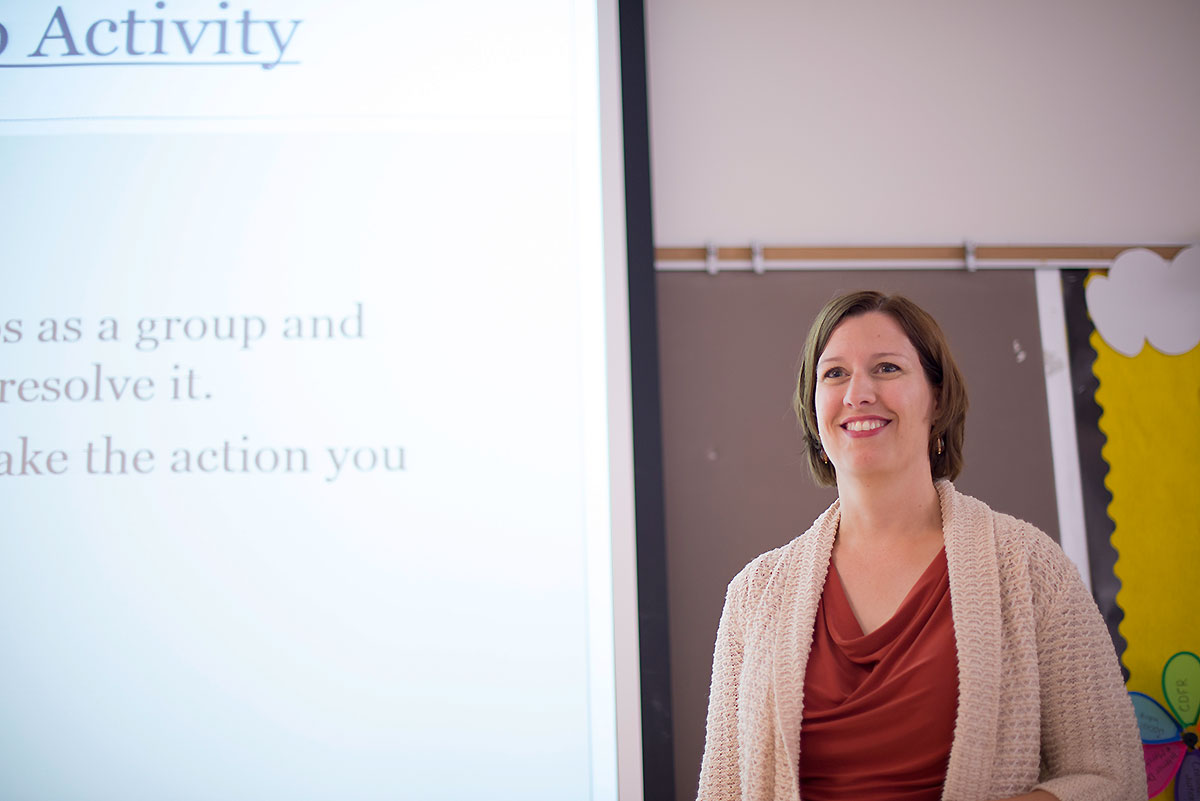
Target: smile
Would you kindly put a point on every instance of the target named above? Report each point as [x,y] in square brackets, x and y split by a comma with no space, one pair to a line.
[864,425]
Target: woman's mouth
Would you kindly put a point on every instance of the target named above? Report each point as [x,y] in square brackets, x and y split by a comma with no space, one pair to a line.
[872,424]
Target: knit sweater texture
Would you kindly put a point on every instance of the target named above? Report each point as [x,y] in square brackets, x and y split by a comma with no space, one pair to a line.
[1041,701]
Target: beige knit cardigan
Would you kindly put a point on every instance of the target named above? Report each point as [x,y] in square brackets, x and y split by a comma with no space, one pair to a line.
[1041,703]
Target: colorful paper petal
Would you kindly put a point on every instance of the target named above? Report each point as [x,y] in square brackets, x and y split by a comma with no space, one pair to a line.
[1187,783]
[1162,761]
[1155,723]
[1181,686]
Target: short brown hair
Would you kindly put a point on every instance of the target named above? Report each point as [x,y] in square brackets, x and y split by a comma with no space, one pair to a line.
[930,343]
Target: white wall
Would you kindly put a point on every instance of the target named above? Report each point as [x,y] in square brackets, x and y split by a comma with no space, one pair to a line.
[913,121]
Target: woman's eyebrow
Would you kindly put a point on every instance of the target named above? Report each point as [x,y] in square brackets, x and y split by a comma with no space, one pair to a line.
[837,358]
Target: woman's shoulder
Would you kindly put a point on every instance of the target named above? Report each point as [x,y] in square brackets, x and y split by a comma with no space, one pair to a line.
[1011,533]
[778,565]
[758,571]
[1022,548]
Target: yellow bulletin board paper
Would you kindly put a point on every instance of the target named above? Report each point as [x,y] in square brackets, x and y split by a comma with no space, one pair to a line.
[1151,417]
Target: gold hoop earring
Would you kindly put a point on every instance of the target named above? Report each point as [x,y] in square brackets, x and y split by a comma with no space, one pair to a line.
[939,446]
[824,458]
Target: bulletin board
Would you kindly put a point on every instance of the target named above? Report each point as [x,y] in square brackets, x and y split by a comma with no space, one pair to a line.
[1134,335]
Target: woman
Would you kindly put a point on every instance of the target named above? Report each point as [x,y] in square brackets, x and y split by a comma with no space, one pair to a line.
[913,644]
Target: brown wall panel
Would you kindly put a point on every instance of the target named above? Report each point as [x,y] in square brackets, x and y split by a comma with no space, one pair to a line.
[736,483]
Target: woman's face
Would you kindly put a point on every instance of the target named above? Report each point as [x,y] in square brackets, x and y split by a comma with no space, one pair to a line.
[874,404]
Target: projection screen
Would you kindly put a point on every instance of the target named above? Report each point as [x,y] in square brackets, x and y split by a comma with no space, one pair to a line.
[312,362]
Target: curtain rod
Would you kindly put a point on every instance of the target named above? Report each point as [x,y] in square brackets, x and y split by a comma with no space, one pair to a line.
[968,256]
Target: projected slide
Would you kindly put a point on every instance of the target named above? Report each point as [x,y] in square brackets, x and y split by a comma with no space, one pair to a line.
[302,416]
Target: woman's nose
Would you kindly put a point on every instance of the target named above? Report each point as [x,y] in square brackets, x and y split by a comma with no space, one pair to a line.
[859,390]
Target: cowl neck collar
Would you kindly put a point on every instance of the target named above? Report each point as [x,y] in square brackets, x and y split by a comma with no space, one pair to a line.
[795,588]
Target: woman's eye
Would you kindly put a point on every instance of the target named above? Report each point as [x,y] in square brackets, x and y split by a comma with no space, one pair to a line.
[888,367]
[834,372]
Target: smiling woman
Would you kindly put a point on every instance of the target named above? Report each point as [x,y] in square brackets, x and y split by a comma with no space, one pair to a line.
[904,333]
[874,404]
[913,644]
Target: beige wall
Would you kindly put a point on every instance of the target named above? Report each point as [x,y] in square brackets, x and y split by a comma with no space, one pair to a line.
[913,121]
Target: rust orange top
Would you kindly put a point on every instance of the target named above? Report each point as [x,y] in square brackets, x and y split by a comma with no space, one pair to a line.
[879,708]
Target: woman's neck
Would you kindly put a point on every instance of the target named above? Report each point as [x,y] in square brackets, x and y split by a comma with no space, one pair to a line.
[888,513]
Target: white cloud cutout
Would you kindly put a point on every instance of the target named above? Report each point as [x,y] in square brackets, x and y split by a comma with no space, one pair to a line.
[1145,298]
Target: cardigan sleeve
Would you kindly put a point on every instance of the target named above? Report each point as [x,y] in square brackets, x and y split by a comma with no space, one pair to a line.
[720,769]
[1091,749]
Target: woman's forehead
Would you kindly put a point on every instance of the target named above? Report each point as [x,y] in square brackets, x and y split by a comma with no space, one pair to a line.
[873,333]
